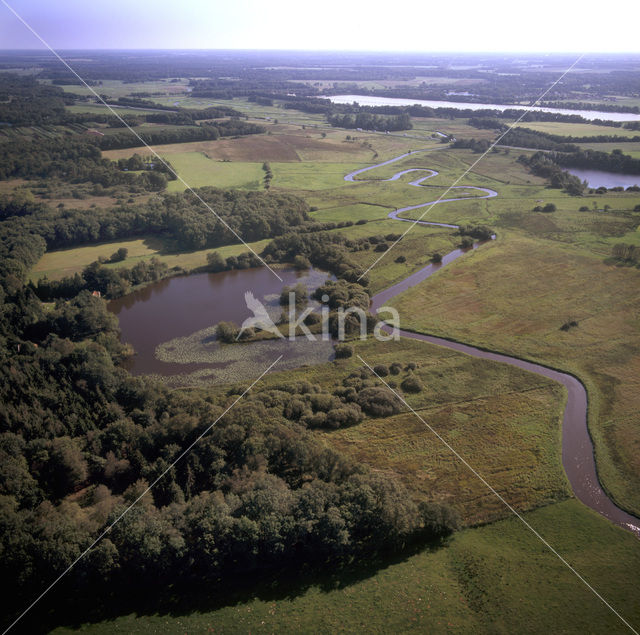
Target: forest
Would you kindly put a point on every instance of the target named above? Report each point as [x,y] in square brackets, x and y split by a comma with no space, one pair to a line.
[81,439]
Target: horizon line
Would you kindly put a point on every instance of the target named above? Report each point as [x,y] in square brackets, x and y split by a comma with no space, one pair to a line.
[311,50]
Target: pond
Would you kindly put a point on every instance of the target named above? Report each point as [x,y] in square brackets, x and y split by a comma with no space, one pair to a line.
[171,326]
[599,178]
[368,100]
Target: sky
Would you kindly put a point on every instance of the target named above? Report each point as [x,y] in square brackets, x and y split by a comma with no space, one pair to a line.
[411,25]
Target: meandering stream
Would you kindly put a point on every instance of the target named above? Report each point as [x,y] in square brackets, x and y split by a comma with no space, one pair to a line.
[577,447]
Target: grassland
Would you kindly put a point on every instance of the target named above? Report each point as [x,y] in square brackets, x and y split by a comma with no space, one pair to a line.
[65,262]
[577,129]
[474,300]
[631,148]
[288,143]
[117,88]
[493,579]
[198,170]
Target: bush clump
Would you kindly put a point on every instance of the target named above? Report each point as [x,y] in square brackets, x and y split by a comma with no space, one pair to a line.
[378,402]
[227,332]
[411,384]
[343,351]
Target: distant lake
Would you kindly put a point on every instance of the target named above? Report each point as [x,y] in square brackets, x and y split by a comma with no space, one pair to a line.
[396,101]
[599,178]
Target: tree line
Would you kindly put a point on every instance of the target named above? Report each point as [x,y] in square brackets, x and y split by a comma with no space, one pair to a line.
[181,216]
[368,121]
[614,161]
[180,134]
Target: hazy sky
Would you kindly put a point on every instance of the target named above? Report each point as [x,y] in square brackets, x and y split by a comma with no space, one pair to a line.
[458,25]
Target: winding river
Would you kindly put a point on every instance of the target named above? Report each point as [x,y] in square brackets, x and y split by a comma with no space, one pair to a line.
[577,448]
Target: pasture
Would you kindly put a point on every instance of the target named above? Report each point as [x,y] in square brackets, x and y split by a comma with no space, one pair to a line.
[198,171]
[578,129]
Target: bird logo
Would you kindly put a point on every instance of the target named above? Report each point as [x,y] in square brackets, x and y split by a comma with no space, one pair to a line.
[261,318]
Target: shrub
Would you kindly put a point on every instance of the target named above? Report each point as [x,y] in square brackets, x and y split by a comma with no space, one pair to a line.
[119,255]
[347,414]
[317,420]
[548,208]
[378,402]
[381,247]
[401,259]
[381,370]
[301,262]
[313,318]
[466,242]
[395,368]
[301,295]
[227,332]
[411,384]
[436,258]
[215,262]
[362,221]
[343,351]
[584,208]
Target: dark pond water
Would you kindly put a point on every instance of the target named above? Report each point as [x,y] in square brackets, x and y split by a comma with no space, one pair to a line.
[599,178]
[170,324]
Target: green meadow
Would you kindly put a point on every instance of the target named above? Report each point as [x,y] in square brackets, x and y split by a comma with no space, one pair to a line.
[197,170]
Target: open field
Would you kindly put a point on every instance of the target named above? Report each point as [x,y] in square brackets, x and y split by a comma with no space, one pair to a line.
[577,129]
[457,127]
[473,300]
[288,143]
[393,83]
[417,247]
[65,262]
[281,147]
[117,88]
[631,148]
[198,170]
[491,579]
